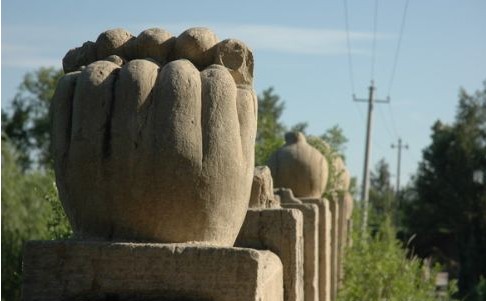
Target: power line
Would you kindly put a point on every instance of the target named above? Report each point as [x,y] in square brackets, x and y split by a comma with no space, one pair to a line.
[394,126]
[359,112]
[348,42]
[397,51]
[385,121]
[375,25]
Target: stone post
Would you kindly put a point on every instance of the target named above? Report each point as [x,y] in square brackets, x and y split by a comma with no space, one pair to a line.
[153,142]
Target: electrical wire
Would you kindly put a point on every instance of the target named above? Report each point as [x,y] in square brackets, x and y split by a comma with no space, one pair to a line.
[373,56]
[348,43]
[394,126]
[397,51]
[385,121]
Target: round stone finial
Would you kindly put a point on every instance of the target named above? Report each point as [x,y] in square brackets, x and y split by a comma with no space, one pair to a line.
[299,166]
[294,137]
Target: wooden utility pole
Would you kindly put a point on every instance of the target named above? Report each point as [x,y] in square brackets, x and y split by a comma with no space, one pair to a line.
[366,171]
[399,147]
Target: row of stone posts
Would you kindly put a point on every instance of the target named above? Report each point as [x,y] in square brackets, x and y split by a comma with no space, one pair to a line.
[301,173]
[153,140]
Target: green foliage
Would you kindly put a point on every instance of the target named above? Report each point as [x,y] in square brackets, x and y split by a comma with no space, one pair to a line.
[330,154]
[444,206]
[23,217]
[381,195]
[334,136]
[479,292]
[30,206]
[299,127]
[57,222]
[332,151]
[30,211]
[378,267]
[270,129]
[27,122]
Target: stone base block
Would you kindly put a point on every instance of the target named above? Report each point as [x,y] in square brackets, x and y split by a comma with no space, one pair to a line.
[95,271]
[311,248]
[280,231]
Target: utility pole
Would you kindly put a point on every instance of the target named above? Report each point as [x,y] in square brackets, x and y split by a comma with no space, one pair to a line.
[399,147]
[366,171]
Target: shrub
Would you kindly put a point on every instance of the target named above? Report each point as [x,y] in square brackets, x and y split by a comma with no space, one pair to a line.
[378,267]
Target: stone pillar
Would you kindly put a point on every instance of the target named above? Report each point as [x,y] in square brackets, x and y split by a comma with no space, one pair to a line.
[345,201]
[280,231]
[334,209]
[324,246]
[299,166]
[153,141]
[310,214]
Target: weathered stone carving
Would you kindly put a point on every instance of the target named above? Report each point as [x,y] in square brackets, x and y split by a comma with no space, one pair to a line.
[286,196]
[154,149]
[262,189]
[299,166]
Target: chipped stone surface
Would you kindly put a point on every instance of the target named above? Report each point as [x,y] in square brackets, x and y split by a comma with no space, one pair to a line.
[262,189]
[238,58]
[299,166]
[280,231]
[286,196]
[69,270]
[154,151]
[310,213]
[80,56]
[324,246]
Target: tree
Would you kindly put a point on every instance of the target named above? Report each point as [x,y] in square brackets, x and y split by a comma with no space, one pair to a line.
[299,127]
[390,270]
[381,194]
[24,213]
[270,129]
[30,205]
[27,123]
[336,139]
[31,210]
[445,207]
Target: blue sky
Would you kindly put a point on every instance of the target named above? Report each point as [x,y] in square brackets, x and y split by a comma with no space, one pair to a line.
[300,50]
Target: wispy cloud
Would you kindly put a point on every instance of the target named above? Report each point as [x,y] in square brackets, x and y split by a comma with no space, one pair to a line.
[21,56]
[286,39]
[27,47]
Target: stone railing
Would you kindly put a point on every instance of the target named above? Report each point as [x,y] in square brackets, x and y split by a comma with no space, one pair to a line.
[153,140]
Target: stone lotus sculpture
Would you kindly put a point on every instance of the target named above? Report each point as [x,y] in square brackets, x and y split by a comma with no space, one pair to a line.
[299,166]
[153,137]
